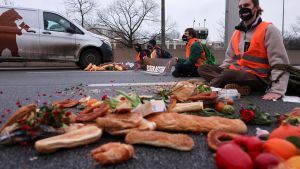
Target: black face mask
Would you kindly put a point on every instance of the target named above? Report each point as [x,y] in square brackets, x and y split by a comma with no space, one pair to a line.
[138,49]
[184,38]
[246,14]
[149,47]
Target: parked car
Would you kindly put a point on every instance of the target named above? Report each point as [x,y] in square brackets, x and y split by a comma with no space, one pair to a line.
[39,35]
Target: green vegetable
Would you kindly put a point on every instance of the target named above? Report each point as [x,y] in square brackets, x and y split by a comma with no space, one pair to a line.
[228,109]
[203,88]
[212,112]
[112,102]
[295,140]
[134,98]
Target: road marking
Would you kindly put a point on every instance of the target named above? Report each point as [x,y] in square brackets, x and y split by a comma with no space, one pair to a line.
[132,84]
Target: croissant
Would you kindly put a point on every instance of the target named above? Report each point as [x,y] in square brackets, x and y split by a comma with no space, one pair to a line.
[112,153]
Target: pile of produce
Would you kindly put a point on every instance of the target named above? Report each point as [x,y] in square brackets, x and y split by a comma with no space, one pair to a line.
[107,67]
[189,106]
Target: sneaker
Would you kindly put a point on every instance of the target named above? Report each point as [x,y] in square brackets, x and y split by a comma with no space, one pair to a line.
[243,90]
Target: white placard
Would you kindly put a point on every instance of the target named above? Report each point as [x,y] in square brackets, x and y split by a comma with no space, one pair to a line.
[155,69]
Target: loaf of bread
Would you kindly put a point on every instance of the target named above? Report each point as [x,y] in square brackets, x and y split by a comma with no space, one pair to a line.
[92,113]
[68,103]
[119,121]
[193,123]
[21,113]
[160,139]
[144,125]
[112,153]
[82,136]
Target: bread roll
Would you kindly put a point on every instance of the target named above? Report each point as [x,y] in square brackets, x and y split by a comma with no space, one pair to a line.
[193,123]
[83,136]
[216,138]
[112,153]
[160,139]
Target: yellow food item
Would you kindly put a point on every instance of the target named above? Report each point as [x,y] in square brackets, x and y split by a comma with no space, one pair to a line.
[293,162]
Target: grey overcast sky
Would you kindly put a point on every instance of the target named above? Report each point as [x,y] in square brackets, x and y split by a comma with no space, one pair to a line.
[183,12]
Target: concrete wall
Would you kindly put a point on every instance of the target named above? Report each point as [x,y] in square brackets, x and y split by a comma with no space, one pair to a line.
[123,55]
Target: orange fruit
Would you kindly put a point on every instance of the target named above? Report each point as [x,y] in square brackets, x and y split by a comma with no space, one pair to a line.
[293,162]
[284,131]
[281,148]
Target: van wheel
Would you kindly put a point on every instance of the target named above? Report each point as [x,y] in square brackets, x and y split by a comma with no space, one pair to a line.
[89,56]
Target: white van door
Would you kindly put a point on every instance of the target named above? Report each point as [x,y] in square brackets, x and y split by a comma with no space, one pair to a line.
[57,39]
[19,33]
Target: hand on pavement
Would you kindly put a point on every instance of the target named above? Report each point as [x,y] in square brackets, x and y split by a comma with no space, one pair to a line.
[271,96]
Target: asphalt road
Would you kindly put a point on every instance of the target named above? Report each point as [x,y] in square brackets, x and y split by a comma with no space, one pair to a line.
[47,85]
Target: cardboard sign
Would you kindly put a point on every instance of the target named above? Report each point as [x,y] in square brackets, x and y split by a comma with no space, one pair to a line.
[156,69]
[158,66]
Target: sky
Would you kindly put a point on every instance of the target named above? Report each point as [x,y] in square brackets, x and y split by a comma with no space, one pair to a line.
[184,12]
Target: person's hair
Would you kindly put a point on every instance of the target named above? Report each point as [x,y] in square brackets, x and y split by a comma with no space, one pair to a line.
[256,4]
[137,45]
[152,42]
[191,32]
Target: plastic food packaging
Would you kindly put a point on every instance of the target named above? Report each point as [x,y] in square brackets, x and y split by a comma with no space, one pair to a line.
[233,93]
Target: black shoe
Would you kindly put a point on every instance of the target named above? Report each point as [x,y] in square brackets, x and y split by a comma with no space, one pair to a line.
[176,74]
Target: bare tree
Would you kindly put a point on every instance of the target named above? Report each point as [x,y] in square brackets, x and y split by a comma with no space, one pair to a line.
[81,8]
[124,18]
[7,2]
[221,29]
[291,38]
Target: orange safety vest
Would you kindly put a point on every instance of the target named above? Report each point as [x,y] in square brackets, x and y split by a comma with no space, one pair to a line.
[255,60]
[201,59]
[137,56]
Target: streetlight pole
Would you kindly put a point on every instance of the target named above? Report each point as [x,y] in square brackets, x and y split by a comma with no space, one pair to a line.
[194,24]
[283,17]
[163,25]
[204,22]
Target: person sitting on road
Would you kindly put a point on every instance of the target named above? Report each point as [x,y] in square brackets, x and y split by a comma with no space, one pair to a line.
[141,54]
[255,47]
[156,51]
[195,56]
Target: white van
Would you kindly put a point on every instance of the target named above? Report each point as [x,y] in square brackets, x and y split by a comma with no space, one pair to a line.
[38,35]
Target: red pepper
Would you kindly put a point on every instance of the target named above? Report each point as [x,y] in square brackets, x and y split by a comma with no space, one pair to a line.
[252,145]
[231,156]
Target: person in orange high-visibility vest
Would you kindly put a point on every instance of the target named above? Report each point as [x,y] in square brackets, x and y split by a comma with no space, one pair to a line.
[141,54]
[255,47]
[194,56]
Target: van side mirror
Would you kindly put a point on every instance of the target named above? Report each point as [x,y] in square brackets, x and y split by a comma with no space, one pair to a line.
[70,30]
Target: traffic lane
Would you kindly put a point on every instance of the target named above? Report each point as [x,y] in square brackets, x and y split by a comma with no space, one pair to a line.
[73,77]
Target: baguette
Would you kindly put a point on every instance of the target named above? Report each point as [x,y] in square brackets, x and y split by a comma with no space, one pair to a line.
[23,112]
[160,139]
[192,123]
[83,136]
[112,153]
[144,125]
[187,107]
